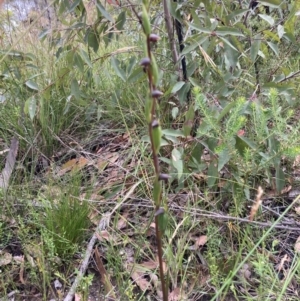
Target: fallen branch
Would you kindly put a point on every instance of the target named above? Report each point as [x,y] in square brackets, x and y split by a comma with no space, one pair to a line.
[101,226]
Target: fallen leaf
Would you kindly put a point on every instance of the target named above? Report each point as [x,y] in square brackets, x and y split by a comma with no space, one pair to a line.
[283,260]
[151,264]
[122,222]
[257,203]
[245,271]
[94,217]
[174,295]
[101,164]
[286,189]
[297,161]
[140,281]
[21,274]
[297,209]
[103,235]
[77,297]
[5,258]
[73,165]
[201,241]
[297,245]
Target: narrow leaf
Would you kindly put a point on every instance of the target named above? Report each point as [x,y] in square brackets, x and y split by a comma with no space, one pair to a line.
[271,3]
[274,47]
[268,19]
[32,85]
[104,13]
[116,65]
[224,30]
[86,58]
[177,87]
[75,89]
[177,161]
[121,20]
[199,28]
[255,47]
[30,107]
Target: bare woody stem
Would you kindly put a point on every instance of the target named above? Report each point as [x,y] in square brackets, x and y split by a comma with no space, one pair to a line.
[154,129]
[150,67]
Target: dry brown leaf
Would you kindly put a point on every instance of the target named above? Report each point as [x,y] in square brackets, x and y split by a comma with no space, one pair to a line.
[297,161]
[152,225]
[257,203]
[5,258]
[94,217]
[174,295]
[297,245]
[245,271]
[140,281]
[73,165]
[283,260]
[101,164]
[150,265]
[103,235]
[201,241]
[122,222]
[297,209]
[21,274]
[286,189]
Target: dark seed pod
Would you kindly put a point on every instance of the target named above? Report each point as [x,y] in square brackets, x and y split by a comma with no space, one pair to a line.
[145,62]
[153,37]
[164,177]
[156,93]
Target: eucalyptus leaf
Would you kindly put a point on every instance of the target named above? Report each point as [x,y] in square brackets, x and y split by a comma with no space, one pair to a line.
[271,3]
[255,45]
[116,65]
[32,85]
[121,20]
[104,12]
[177,161]
[224,30]
[86,58]
[177,87]
[75,89]
[30,107]
[268,19]
[274,47]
